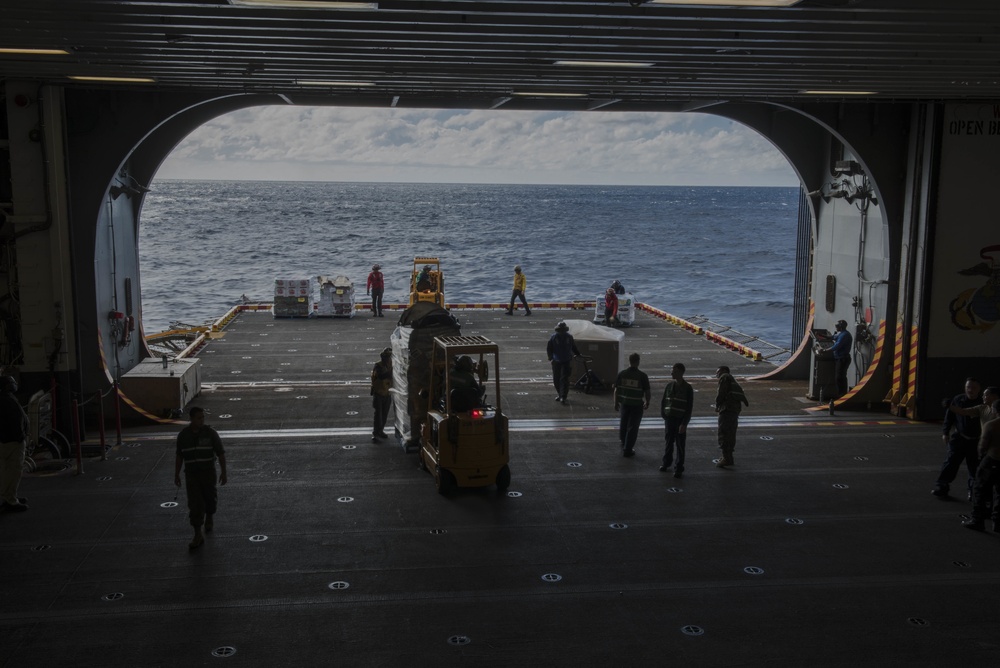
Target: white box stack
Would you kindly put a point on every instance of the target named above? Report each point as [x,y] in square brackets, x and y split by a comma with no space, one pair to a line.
[293,298]
[336,297]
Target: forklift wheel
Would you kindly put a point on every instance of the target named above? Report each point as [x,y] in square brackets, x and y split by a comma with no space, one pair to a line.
[445,481]
[503,479]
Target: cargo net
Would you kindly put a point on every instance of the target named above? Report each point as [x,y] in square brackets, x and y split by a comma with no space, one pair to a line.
[771,353]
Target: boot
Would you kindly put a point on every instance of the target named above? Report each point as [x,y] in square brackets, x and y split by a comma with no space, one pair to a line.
[209,523]
[198,540]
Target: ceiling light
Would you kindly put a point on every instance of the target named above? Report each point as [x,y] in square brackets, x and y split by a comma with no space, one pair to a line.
[114,79]
[305,4]
[729,3]
[36,52]
[351,84]
[530,94]
[600,63]
[837,92]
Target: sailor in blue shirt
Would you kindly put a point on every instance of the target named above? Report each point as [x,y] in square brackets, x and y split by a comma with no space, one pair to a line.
[842,343]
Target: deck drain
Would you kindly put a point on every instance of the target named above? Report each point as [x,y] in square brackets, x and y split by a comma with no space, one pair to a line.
[338,585]
[282,389]
[104,478]
[113,597]
[522,394]
[236,398]
[767,438]
[513,495]
[691,630]
[277,380]
[168,504]
[593,408]
[618,525]
[840,485]
[348,447]
[574,465]
[653,336]
[962,564]
[353,396]
[674,490]
[278,472]
[40,548]
[916,621]
[459,640]
[345,499]
[753,570]
[286,364]
[326,370]
[223,652]
[258,538]
[225,416]
[134,445]
[121,459]
[552,577]
[860,458]
[301,396]
[234,371]
[293,350]
[775,389]
[888,436]
[248,357]
[794,520]
[352,412]
[254,345]
[438,532]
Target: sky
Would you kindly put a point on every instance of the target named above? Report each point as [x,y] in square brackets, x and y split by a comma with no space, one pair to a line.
[448,146]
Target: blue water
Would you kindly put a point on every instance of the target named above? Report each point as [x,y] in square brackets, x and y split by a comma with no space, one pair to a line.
[723,252]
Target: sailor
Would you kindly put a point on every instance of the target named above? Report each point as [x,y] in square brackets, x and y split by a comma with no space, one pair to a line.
[632,394]
[198,446]
[610,307]
[13,437]
[676,407]
[381,399]
[520,285]
[561,350]
[729,402]
[424,280]
[841,350]
[466,392]
[961,433]
[987,475]
[376,287]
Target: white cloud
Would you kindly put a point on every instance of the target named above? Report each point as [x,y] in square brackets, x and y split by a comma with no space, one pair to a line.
[350,144]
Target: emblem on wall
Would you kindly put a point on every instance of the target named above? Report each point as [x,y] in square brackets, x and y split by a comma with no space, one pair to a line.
[979,308]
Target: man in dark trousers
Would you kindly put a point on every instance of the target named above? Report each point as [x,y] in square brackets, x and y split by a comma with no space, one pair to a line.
[987,475]
[961,434]
[13,435]
[632,396]
[198,445]
[729,402]
[841,349]
[561,349]
[676,407]
[376,287]
[381,399]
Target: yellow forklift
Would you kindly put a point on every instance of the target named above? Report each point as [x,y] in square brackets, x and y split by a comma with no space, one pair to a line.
[427,281]
[465,435]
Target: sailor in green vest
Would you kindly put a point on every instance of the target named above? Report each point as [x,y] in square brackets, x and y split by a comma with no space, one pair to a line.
[631,398]
[728,404]
[675,407]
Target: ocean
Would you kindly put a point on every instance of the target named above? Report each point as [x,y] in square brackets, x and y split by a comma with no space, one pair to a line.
[726,253]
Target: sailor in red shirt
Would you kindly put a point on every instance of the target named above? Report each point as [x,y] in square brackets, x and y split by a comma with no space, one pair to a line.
[610,307]
[376,286]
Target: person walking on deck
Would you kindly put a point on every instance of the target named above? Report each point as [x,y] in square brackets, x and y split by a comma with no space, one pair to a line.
[729,402]
[561,350]
[376,288]
[987,475]
[198,446]
[675,408]
[381,399]
[841,349]
[520,285]
[632,394]
[13,441]
[961,434]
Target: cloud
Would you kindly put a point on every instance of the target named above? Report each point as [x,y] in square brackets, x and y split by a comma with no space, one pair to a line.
[350,144]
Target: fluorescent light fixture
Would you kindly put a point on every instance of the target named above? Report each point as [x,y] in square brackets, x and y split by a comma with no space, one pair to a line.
[305,4]
[728,3]
[529,94]
[837,92]
[36,52]
[600,63]
[114,79]
[317,82]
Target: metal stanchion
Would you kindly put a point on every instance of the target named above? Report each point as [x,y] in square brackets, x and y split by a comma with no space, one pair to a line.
[118,413]
[100,423]
[76,438]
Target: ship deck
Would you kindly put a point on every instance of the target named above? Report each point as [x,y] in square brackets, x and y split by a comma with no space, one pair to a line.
[821,547]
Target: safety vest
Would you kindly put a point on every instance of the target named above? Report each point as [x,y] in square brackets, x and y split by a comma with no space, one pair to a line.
[381,379]
[520,282]
[631,385]
[676,402]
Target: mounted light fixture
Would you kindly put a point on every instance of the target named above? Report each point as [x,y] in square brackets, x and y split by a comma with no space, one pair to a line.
[304,4]
[600,63]
[35,52]
[114,79]
[728,3]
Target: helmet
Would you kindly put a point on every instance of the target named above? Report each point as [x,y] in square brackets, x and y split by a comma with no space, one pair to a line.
[464,363]
[517,267]
[8,384]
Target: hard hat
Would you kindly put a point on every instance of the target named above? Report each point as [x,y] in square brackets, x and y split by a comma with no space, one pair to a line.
[517,267]
[464,363]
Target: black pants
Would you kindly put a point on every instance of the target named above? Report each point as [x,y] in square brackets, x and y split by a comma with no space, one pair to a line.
[629,419]
[674,436]
[841,366]
[377,301]
[515,295]
[959,450]
[381,405]
[984,490]
[201,493]
[560,377]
